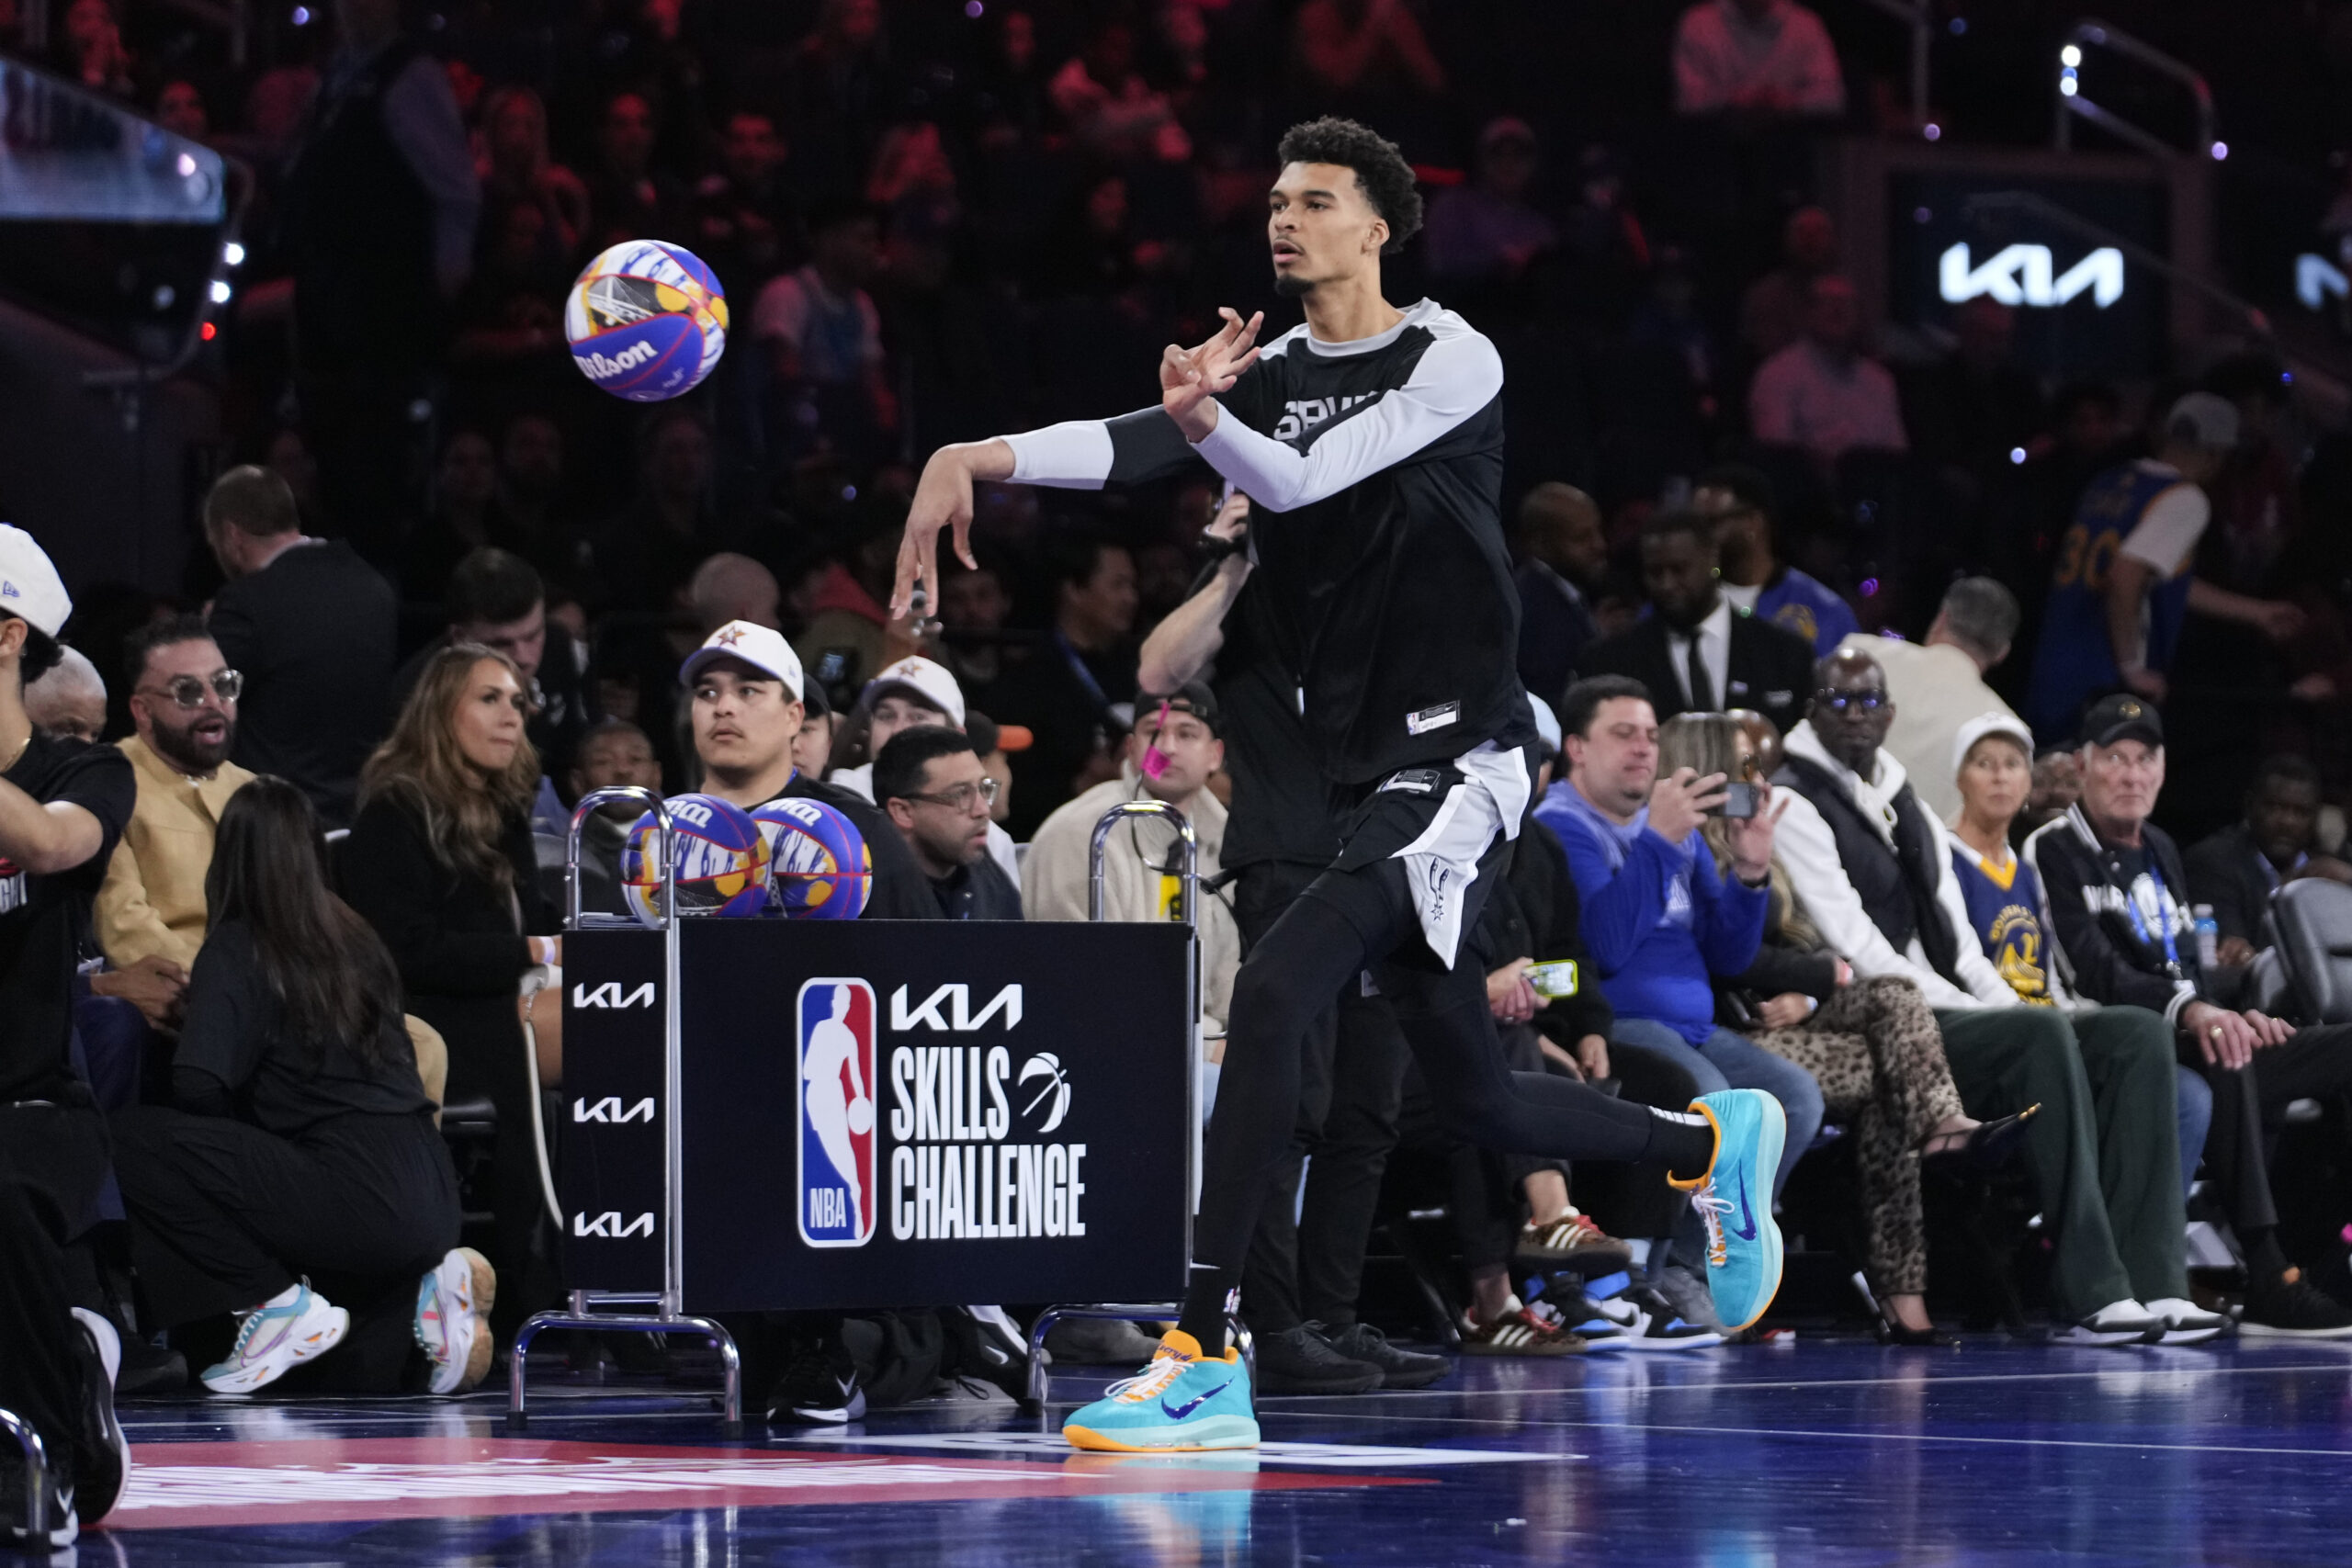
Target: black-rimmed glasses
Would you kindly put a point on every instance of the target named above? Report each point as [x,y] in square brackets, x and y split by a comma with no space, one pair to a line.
[1840,702]
[961,798]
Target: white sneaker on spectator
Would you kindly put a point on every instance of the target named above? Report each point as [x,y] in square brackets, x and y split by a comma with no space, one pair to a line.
[452,1322]
[2186,1322]
[295,1325]
[2118,1323]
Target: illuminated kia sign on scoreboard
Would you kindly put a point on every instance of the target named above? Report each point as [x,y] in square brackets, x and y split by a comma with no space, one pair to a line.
[2084,308]
[2025,274]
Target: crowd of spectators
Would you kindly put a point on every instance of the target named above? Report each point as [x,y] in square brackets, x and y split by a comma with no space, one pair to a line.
[454,587]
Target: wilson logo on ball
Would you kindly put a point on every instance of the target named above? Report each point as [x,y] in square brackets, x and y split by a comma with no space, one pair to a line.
[719,855]
[646,320]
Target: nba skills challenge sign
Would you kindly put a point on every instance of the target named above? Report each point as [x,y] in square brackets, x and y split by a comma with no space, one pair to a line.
[883,1113]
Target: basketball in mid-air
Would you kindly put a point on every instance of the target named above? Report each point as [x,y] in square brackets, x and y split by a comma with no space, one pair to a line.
[818,866]
[721,856]
[647,321]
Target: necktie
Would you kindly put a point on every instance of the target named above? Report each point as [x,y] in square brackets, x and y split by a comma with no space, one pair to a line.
[1702,693]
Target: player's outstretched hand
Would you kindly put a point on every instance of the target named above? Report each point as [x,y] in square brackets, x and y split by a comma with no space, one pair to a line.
[1189,378]
[943,500]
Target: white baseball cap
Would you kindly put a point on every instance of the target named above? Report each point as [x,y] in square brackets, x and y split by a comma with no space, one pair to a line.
[1982,725]
[762,648]
[29,587]
[925,679]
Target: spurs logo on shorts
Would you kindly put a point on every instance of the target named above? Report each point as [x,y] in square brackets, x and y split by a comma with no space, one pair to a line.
[835,1186]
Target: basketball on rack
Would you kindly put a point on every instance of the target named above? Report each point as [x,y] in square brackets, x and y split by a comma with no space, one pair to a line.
[818,866]
[721,857]
[647,321]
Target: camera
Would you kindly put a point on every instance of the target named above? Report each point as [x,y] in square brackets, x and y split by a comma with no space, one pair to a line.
[1739,800]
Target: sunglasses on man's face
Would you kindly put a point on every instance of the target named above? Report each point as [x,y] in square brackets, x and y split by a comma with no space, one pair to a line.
[1848,702]
[187,691]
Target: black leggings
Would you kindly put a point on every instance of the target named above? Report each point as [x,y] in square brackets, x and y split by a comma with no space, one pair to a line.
[1348,921]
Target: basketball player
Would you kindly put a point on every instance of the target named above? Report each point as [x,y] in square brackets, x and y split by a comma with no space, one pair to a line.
[1370,441]
[832,1046]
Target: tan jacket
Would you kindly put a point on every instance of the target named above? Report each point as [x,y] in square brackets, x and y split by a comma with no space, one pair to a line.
[153,899]
[1053,876]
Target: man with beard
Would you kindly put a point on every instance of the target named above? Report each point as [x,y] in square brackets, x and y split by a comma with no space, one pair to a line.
[151,911]
[1696,653]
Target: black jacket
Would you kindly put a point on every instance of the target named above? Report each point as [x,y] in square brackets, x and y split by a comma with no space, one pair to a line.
[1771,669]
[1533,913]
[313,633]
[2227,872]
[979,891]
[2098,949]
[461,952]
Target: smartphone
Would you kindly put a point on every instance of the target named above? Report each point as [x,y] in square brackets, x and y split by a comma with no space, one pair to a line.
[1557,978]
[1739,800]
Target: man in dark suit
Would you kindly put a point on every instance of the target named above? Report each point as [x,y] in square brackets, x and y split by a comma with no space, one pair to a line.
[1696,652]
[311,627]
[2237,869]
[1563,552]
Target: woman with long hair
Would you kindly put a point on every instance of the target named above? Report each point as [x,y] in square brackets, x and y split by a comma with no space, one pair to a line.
[1873,1046]
[516,169]
[299,1156]
[441,864]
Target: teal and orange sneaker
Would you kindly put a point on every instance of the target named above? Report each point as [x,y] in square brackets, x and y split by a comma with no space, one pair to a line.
[1181,1402]
[1734,1200]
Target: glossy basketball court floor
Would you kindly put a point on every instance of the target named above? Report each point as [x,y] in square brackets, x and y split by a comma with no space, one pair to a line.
[1825,1453]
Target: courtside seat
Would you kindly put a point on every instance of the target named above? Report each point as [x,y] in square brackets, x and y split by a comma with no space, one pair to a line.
[2315,920]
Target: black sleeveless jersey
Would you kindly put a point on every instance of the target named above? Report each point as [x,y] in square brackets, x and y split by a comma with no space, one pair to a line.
[1375,470]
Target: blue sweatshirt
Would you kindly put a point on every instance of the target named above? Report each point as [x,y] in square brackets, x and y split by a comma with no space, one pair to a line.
[1658,919]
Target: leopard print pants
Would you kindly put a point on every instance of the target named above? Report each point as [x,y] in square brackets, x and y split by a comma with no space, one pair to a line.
[1876,1052]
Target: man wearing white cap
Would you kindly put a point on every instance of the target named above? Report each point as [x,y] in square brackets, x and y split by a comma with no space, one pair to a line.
[62,809]
[744,683]
[913,692]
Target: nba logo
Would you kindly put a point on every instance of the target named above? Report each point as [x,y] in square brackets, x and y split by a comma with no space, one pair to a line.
[836,1086]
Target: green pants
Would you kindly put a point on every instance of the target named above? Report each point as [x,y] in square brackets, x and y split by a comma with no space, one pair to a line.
[2105,1152]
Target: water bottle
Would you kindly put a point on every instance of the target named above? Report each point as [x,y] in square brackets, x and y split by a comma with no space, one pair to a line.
[2209,936]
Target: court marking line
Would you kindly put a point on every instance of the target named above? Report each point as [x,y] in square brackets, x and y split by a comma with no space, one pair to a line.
[1284,1401]
[1865,1436]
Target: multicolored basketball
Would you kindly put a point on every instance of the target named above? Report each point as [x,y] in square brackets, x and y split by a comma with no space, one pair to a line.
[721,856]
[647,321]
[820,868]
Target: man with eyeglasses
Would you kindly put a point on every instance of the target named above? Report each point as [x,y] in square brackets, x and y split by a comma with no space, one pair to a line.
[150,913]
[1874,872]
[930,781]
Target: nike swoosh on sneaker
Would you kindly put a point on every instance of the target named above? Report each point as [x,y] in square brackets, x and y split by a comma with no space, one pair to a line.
[1746,1212]
[1178,1412]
